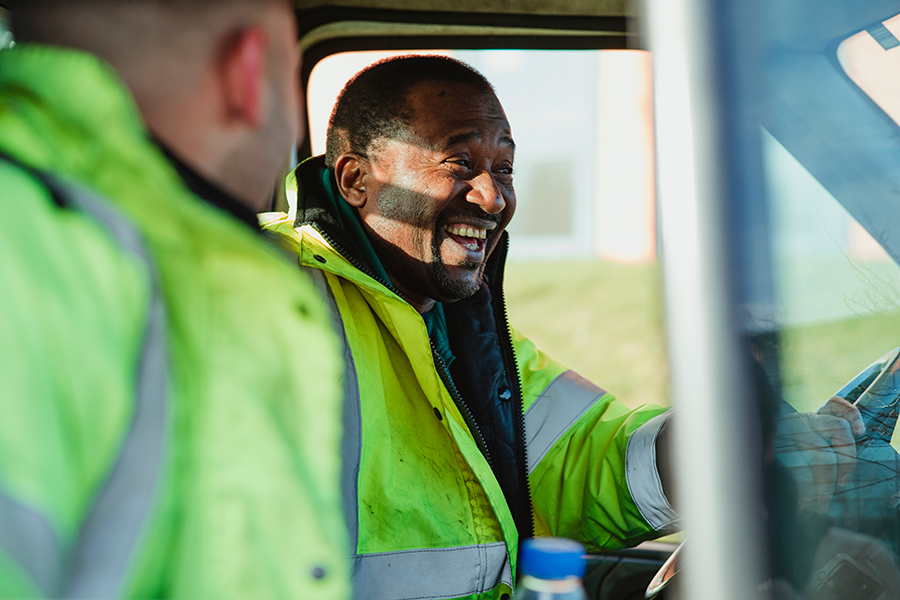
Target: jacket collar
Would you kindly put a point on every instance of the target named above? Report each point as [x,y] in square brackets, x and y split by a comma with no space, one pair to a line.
[320,204]
[207,190]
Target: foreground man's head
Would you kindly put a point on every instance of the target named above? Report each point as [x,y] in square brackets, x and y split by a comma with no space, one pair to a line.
[216,81]
[420,145]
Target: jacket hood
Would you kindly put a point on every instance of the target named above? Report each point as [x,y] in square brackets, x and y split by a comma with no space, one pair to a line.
[320,205]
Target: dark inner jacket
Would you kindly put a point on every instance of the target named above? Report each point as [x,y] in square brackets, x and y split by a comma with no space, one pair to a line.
[465,335]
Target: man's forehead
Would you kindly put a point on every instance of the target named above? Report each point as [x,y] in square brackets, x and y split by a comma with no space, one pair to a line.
[475,135]
[449,113]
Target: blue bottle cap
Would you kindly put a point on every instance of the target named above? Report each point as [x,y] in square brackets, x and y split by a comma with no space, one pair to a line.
[551,558]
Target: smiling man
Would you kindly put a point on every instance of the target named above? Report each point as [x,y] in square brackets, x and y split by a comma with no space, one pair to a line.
[461,438]
[441,194]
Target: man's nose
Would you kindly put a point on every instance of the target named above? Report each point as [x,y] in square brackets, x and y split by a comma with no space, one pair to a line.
[486,194]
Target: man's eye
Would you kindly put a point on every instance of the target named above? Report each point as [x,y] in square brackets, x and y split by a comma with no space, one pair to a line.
[505,170]
[463,162]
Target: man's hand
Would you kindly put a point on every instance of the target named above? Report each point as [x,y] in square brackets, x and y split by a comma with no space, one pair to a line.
[820,451]
[838,407]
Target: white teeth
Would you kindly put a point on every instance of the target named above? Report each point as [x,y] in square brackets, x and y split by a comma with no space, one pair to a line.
[470,232]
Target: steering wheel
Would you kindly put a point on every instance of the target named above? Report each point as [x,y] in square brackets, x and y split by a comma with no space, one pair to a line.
[870,501]
[665,574]
[876,387]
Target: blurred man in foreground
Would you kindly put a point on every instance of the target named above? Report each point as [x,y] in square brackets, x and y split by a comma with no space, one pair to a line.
[461,437]
[156,442]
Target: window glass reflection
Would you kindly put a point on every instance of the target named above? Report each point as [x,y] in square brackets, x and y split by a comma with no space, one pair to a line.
[832,173]
[838,290]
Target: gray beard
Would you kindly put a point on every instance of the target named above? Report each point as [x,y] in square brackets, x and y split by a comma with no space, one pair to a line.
[447,286]
[404,207]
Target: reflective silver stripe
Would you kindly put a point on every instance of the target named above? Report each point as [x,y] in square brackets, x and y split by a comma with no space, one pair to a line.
[431,573]
[27,538]
[406,574]
[642,476]
[559,406]
[351,447]
[100,559]
[351,444]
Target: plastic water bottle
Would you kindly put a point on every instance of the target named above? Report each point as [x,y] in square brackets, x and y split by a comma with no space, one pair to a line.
[551,569]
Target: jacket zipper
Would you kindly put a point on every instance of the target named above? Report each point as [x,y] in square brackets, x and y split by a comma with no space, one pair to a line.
[510,358]
[461,405]
[357,264]
[443,371]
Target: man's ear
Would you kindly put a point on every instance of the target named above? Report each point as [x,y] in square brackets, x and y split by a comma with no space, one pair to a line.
[351,172]
[244,70]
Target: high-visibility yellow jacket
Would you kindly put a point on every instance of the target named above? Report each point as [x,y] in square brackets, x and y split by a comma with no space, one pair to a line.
[426,515]
[162,435]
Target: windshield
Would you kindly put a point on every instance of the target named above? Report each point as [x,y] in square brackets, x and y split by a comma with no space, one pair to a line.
[819,295]
[837,289]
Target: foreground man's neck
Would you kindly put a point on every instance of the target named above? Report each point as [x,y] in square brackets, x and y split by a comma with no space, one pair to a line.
[208,191]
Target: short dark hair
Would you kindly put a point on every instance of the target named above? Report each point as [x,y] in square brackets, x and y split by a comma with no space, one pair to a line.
[374,104]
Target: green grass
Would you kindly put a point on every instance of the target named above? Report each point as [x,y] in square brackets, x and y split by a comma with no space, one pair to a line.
[605,321]
[818,359]
[601,319]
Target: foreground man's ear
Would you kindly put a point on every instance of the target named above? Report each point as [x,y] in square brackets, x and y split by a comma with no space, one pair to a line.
[350,171]
[243,64]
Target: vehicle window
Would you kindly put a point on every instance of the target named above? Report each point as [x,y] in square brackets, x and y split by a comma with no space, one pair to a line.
[838,291]
[6,39]
[866,56]
[584,233]
[824,296]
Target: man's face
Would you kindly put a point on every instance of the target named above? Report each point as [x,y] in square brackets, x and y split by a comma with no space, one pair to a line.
[439,200]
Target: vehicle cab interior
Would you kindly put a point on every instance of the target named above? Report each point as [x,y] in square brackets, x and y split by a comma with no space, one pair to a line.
[713,188]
